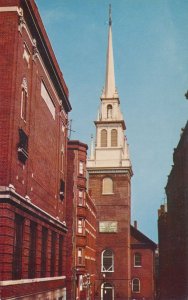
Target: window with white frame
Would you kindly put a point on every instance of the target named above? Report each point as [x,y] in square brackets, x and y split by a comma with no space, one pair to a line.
[136,285]
[107,185]
[81,167]
[81,225]
[107,291]
[107,261]
[80,256]
[137,260]
[24,99]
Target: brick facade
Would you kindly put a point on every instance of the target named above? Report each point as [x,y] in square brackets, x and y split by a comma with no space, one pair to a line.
[81,222]
[173,228]
[142,266]
[33,118]
[113,208]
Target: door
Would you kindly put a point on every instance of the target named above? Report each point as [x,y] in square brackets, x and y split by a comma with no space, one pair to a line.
[107,291]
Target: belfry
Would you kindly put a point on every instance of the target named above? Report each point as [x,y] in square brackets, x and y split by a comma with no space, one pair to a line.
[109,175]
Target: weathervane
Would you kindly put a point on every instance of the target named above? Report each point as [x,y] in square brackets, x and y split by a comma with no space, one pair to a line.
[110,15]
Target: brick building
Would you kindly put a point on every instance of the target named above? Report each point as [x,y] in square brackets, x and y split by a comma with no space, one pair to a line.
[81,223]
[173,228]
[33,116]
[142,265]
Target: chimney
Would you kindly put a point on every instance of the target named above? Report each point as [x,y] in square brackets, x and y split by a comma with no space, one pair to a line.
[135,224]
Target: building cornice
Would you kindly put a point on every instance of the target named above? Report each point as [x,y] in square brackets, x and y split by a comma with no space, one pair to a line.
[106,122]
[33,280]
[110,171]
[8,194]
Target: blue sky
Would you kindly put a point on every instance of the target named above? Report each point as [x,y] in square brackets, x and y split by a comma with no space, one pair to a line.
[150,44]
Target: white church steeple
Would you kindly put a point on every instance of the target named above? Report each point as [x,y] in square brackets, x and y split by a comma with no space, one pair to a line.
[111,148]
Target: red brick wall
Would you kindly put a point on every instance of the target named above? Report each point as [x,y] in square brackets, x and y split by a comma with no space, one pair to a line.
[145,273]
[39,178]
[115,207]
[76,152]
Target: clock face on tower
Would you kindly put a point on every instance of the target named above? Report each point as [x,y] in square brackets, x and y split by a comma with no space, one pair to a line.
[108,226]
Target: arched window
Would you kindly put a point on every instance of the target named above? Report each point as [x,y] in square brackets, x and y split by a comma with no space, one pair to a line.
[109,111]
[114,138]
[24,96]
[136,285]
[107,291]
[137,260]
[107,185]
[107,261]
[103,138]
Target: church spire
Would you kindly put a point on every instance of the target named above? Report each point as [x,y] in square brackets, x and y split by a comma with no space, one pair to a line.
[109,90]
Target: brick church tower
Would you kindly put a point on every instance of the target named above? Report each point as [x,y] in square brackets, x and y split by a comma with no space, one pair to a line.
[109,170]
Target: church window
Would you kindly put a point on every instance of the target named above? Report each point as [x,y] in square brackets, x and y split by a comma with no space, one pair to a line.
[107,186]
[103,138]
[137,260]
[109,111]
[107,261]
[136,285]
[114,138]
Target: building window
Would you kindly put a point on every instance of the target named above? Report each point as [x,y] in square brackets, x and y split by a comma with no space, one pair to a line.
[53,254]
[81,226]
[103,138]
[114,138]
[18,246]
[81,198]
[80,256]
[62,158]
[107,185]
[44,251]
[60,264]
[137,260]
[47,99]
[24,96]
[109,111]
[62,190]
[107,291]
[32,250]
[136,285]
[81,168]
[23,146]
[107,261]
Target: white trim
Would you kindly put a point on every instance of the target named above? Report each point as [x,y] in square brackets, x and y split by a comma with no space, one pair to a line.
[91,227]
[10,9]
[23,281]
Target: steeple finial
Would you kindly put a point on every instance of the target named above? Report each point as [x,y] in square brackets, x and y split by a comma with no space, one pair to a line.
[110,15]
